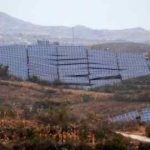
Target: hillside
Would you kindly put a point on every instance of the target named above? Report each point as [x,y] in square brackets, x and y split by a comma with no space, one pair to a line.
[37,116]
[124,47]
[135,89]
[129,94]
[13,30]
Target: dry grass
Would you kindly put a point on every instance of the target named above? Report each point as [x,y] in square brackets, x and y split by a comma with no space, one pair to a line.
[103,105]
[93,107]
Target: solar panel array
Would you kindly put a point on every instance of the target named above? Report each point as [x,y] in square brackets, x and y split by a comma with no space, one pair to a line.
[132,65]
[15,57]
[148,63]
[43,62]
[126,117]
[144,115]
[104,68]
[74,65]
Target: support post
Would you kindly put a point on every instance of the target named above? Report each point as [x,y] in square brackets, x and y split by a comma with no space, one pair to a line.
[118,66]
[57,63]
[88,66]
[28,69]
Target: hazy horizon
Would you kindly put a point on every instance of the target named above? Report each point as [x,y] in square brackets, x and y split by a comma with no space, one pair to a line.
[96,14]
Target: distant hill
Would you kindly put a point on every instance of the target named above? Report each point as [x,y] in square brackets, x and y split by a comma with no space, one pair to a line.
[13,30]
[124,47]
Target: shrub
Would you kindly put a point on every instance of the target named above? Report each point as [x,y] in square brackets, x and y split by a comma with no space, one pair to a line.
[100,134]
[30,146]
[45,145]
[57,83]
[7,111]
[62,114]
[3,71]
[99,146]
[34,78]
[16,147]
[56,114]
[11,114]
[36,145]
[103,130]
[66,146]
[83,131]
[144,146]
[31,135]
[26,114]
[117,142]
[86,98]
[138,118]
[148,130]
[84,147]
[45,104]
[2,147]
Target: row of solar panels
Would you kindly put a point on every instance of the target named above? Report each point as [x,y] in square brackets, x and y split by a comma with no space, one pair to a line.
[75,65]
[143,115]
[15,57]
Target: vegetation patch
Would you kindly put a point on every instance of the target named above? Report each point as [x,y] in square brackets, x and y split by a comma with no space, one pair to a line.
[3,71]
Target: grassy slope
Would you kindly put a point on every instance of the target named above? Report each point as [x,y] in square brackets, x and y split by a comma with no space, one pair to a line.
[110,101]
[92,104]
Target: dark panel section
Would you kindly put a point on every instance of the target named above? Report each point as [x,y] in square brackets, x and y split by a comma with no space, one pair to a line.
[107,78]
[72,64]
[78,75]
[106,68]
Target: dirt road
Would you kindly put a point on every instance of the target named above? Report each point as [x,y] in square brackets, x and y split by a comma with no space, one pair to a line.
[135,137]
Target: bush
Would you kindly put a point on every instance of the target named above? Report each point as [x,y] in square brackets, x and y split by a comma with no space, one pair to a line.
[117,142]
[2,147]
[148,130]
[66,146]
[7,111]
[55,115]
[83,131]
[34,79]
[36,145]
[3,71]
[57,83]
[100,134]
[26,113]
[84,147]
[144,146]
[103,130]
[29,146]
[30,134]
[45,105]
[99,146]
[86,98]
[45,145]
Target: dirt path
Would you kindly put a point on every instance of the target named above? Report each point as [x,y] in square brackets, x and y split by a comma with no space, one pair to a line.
[135,137]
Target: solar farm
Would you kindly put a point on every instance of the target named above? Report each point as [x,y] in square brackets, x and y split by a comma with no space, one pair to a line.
[77,66]
[64,111]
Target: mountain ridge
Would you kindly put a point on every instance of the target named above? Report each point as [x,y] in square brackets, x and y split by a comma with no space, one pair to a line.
[13,30]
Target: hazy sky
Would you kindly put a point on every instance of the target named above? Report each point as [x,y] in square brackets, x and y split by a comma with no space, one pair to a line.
[100,14]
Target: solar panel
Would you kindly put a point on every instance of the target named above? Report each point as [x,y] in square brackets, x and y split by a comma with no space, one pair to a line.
[73,64]
[15,57]
[126,117]
[42,62]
